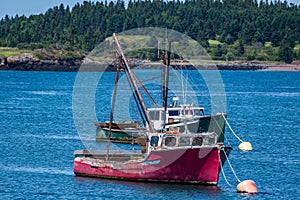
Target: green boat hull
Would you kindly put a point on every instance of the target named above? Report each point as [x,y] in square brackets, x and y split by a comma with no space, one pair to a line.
[118,135]
[215,123]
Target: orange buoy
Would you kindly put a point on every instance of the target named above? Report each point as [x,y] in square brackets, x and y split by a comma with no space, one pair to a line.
[247,186]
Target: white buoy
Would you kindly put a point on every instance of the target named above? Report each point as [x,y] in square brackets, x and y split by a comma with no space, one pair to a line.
[245,146]
[247,186]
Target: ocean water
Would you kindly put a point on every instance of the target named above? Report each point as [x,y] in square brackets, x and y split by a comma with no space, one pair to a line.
[38,136]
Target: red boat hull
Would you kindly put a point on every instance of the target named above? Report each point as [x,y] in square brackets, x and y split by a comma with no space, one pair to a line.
[192,165]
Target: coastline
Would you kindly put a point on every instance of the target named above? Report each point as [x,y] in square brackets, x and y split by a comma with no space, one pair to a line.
[283,67]
[21,63]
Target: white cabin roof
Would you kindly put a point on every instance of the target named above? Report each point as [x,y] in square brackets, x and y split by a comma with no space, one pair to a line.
[180,107]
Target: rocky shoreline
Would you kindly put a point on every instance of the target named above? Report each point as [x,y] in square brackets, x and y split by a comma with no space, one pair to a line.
[29,63]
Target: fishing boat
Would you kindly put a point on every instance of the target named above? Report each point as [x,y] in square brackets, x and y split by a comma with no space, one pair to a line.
[179,142]
[181,158]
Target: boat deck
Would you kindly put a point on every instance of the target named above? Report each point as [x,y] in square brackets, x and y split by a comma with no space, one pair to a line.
[114,155]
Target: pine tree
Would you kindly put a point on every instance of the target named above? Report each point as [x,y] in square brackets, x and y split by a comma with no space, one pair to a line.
[285,52]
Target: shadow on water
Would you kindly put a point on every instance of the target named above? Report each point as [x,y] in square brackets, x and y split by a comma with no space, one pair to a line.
[151,190]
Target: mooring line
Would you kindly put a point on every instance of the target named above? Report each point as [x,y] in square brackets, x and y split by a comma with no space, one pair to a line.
[223,173]
[238,180]
[237,137]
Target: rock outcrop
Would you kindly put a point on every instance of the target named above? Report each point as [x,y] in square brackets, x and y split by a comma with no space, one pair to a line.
[30,63]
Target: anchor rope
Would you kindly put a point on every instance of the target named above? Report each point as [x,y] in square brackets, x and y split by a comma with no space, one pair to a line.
[223,173]
[237,137]
[227,140]
[238,180]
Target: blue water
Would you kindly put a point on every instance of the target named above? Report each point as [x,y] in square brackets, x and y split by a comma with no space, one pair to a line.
[38,137]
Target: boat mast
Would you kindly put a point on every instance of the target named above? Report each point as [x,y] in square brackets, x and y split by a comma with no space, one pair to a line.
[136,100]
[131,80]
[166,72]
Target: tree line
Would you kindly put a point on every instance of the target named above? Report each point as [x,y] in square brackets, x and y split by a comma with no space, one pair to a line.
[240,22]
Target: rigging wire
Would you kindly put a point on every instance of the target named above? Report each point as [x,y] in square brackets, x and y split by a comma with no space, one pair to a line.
[126,85]
[135,98]
[212,103]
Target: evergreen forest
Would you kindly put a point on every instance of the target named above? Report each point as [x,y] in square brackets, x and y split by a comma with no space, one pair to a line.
[228,29]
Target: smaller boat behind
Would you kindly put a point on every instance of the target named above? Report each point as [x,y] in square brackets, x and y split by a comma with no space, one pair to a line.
[178,117]
[122,132]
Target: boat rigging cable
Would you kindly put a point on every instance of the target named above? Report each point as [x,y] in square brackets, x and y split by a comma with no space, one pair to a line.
[112,110]
[125,84]
[145,90]
[244,146]
[135,99]
[128,70]
[133,107]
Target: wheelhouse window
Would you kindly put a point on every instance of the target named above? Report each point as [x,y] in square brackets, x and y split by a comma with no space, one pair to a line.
[198,112]
[210,140]
[154,141]
[184,141]
[154,115]
[170,141]
[188,112]
[174,113]
[197,141]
